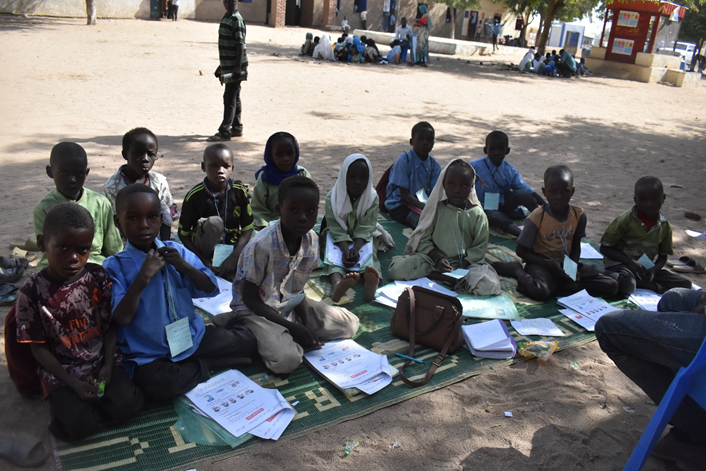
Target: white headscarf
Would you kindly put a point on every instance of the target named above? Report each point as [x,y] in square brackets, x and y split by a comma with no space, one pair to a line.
[341,202]
[528,58]
[324,49]
[437,196]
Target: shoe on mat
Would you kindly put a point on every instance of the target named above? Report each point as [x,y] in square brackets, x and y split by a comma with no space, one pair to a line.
[22,450]
[10,275]
[687,456]
[12,262]
[218,137]
[692,266]
[679,263]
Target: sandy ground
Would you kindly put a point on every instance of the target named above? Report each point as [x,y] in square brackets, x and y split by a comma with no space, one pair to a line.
[62,80]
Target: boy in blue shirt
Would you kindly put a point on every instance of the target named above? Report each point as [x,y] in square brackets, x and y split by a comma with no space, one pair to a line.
[503,186]
[166,347]
[413,171]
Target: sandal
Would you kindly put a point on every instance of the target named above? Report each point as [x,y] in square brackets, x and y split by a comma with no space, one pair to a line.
[10,275]
[8,294]
[23,450]
[30,244]
[692,266]
[14,263]
[682,262]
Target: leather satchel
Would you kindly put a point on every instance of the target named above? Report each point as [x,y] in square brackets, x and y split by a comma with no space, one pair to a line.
[429,318]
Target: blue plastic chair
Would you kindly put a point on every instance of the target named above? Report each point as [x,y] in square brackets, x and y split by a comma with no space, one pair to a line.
[689,380]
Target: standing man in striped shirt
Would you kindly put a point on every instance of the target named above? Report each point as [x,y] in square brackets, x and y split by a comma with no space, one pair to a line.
[232,71]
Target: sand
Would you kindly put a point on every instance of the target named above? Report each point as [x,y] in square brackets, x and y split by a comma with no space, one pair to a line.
[62,80]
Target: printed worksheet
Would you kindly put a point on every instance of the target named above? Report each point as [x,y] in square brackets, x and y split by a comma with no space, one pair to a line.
[539,326]
[334,255]
[239,405]
[220,303]
[348,365]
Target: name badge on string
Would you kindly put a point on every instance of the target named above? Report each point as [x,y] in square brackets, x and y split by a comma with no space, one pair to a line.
[179,336]
[491,202]
[645,261]
[220,253]
[570,267]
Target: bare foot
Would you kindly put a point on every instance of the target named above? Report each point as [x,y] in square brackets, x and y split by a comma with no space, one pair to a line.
[348,281]
[372,280]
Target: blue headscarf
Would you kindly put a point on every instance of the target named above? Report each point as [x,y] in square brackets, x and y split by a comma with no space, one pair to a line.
[270,172]
[358,45]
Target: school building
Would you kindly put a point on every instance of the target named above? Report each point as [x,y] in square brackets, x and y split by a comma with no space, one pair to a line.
[306,13]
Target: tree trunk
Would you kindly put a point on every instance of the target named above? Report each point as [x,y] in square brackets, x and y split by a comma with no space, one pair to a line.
[453,23]
[539,30]
[553,7]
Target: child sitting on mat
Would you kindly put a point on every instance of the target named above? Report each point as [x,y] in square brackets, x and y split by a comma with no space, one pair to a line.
[413,171]
[550,245]
[268,291]
[216,218]
[63,313]
[68,167]
[642,232]
[351,218]
[452,231]
[166,347]
[140,149]
[500,187]
[281,157]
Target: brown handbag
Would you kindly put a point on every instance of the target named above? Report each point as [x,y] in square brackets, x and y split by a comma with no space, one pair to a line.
[431,319]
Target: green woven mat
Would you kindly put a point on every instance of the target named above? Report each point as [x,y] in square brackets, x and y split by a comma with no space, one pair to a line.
[151,442]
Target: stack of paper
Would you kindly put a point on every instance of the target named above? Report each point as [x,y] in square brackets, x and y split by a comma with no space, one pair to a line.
[334,255]
[347,365]
[240,406]
[219,304]
[584,309]
[646,299]
[490,339]
[388,294]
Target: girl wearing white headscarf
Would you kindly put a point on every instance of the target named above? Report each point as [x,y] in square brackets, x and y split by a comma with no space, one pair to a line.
[324,50]
[452,232]
[351,215]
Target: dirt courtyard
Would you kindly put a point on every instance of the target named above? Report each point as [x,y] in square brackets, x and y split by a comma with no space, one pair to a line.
[62,80]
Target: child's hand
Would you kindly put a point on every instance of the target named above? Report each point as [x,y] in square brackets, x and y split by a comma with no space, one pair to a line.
[639,269]
[86,391]
[172,257]
[106,372]
[227,268]
[352,258]
[153,263]
[443,265]
[650,274]
[304,337]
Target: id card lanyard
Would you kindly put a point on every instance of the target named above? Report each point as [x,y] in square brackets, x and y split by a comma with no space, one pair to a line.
[178,331]
[570,267]
[221,251]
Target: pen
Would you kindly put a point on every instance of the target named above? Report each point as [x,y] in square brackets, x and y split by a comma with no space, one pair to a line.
[409,358]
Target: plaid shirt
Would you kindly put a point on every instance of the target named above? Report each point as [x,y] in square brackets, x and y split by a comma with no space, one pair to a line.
[231,33]
[266,263]
[156,181]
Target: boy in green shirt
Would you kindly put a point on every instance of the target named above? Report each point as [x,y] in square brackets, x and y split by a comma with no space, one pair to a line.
[637,243]
[68,167]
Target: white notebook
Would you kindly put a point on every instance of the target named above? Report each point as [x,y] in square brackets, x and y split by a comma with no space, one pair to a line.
[490,339]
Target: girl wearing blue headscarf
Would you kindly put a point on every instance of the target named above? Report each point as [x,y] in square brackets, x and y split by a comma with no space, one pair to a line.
[357,50]
[281,157]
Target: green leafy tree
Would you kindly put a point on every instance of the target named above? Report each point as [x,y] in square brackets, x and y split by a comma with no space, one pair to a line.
[460,5]
[525,9]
